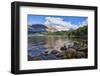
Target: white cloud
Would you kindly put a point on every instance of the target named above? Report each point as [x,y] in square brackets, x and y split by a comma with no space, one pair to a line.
[59,24]
[84,23]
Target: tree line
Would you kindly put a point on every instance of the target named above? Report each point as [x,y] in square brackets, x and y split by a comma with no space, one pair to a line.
[81,31]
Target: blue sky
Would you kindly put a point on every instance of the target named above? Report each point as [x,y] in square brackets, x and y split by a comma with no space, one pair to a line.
[41,19]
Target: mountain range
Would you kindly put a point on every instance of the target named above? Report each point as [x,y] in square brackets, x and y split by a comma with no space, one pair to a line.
[35,28]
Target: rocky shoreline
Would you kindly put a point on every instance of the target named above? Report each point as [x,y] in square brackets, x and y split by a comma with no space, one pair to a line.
[78,50]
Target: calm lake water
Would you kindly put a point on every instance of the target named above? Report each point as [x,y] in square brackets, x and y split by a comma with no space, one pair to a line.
[39,44]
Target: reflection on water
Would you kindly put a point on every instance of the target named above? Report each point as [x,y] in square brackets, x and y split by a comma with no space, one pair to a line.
[40,47]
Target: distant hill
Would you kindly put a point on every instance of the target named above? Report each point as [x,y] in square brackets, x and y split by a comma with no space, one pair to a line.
[36,28]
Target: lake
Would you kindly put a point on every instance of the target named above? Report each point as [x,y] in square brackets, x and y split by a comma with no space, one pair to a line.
[47,47]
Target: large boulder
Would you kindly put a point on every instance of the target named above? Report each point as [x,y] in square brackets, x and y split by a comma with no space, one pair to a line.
[63,48]
[71,53]
[81,55]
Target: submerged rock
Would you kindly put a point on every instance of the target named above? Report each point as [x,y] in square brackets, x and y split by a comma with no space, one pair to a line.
[60,55]
[54,52]
[33,58]
[45,53]
[36,58]
[29,58]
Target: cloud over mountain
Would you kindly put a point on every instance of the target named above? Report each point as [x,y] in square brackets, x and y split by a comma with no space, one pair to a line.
[53,24]
[58,24]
